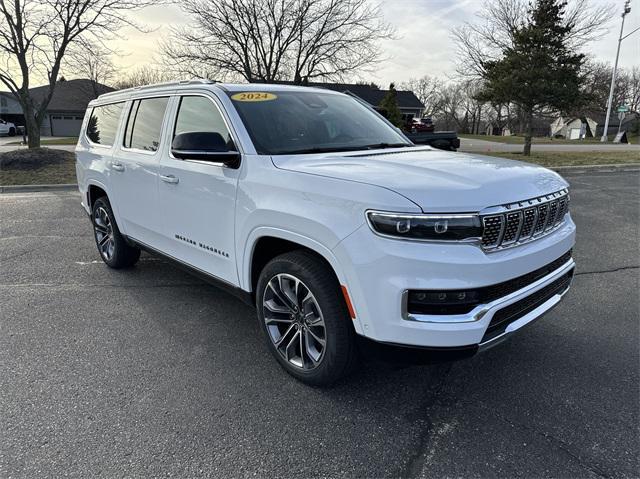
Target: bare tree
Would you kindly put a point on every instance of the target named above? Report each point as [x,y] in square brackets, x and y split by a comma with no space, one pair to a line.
[633,92]
[35,36]
[145,75]
[598,82]
[484,39]
[271,40]
[427,89]
[92,62]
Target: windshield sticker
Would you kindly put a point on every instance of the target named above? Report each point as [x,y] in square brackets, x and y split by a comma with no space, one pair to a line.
[254,96]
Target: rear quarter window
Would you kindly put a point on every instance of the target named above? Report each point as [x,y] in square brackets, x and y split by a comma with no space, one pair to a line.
[103,124]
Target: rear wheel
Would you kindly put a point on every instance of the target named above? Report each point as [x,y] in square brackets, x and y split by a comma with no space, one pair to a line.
[304,318]
[112,246]
[12,132]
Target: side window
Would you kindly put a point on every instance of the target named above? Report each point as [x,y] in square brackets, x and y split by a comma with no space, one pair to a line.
[145,124]
[103,123]
[200,114]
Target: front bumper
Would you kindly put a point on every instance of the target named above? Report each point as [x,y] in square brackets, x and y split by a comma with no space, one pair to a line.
[380,275]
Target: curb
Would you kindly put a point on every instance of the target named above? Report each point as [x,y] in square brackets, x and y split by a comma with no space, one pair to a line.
[36,188]
[611,167]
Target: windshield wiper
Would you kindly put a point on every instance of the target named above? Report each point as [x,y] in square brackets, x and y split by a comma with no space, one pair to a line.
[327,149]
[380,146]
[334,149]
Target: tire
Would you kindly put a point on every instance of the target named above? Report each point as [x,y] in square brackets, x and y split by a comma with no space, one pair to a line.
[12,132]
[284,323]
[112,246]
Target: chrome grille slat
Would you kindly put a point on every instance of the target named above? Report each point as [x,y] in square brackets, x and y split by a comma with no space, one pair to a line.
[528,220]
[553,211]
[512,225]
[492,229]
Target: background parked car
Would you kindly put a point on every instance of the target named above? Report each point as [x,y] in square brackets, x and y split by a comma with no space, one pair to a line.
[7,128]
[420,125]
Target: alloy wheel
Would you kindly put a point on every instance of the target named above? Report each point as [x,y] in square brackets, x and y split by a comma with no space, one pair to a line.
[294,321]
[104,233]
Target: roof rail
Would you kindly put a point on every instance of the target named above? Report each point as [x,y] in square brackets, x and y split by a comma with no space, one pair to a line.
[193,81]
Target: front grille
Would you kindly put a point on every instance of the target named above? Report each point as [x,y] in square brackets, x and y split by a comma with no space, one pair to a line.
[523,221]
[507,315]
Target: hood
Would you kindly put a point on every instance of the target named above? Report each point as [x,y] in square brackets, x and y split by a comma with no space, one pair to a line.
[437,181]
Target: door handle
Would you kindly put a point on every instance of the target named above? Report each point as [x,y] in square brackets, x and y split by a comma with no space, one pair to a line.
[169,179]
[117,166]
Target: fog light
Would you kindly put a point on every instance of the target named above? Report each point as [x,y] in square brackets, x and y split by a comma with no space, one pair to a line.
[442,302]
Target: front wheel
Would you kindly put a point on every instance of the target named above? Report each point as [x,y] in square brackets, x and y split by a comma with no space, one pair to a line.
[112,246]
[305,320]
[12,132]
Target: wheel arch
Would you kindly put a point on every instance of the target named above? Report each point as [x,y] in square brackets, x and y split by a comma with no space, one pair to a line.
[266,243]
[95,190]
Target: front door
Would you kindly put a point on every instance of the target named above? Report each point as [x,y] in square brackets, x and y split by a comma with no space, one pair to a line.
[134,170]
[197,198]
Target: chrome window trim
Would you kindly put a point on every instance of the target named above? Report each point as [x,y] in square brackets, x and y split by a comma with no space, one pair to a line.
[125,124]
[234,137]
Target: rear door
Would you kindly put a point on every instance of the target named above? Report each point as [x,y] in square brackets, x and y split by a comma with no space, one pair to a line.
[134,170]
[198,198]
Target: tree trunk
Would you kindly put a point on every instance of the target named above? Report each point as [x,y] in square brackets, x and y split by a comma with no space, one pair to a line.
[33,128]
[528,132]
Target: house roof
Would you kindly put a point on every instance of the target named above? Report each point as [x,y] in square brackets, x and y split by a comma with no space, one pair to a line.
[372,95]
[599,118]
[70,95]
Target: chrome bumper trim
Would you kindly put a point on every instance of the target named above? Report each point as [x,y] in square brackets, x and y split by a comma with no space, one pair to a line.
[482,310]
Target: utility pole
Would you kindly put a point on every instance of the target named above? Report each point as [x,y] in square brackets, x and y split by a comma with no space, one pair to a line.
[627,9]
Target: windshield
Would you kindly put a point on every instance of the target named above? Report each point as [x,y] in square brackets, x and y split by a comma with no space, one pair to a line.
[294,122]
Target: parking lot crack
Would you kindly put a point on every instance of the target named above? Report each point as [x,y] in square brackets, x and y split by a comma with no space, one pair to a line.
[431,431]
[614,270]
[558,443]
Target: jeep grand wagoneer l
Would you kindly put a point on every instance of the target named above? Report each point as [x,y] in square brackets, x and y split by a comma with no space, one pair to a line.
[313,207]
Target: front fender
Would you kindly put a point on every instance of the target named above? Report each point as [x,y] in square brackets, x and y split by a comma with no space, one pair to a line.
[264,231]
[267,231]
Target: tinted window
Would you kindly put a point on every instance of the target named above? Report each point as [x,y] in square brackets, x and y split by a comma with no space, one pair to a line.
[145,123]
[200,114]
[286,122]
[103,123]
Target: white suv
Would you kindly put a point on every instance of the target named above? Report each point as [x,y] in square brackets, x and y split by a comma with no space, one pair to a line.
[311,206]
[7,128]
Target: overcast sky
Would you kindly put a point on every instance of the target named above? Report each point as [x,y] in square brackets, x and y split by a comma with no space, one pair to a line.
[424,29]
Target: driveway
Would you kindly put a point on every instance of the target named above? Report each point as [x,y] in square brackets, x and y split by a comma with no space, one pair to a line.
[5,140]
[467,144]
[150,372]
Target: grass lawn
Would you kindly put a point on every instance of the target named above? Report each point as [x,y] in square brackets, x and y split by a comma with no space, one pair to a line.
[519,140]
[573,158]
[37,167]
[55,141]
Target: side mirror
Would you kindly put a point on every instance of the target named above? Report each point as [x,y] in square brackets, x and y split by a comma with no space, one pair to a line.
[204,146]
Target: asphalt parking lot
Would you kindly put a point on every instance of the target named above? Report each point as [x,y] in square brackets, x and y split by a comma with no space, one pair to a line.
[150,372]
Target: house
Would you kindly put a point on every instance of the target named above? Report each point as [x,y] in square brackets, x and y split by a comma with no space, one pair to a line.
[65,110]
[409,104]
[591,125]
[573,128]
[496,130]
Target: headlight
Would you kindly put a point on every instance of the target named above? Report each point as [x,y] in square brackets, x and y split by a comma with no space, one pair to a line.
[427,227]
